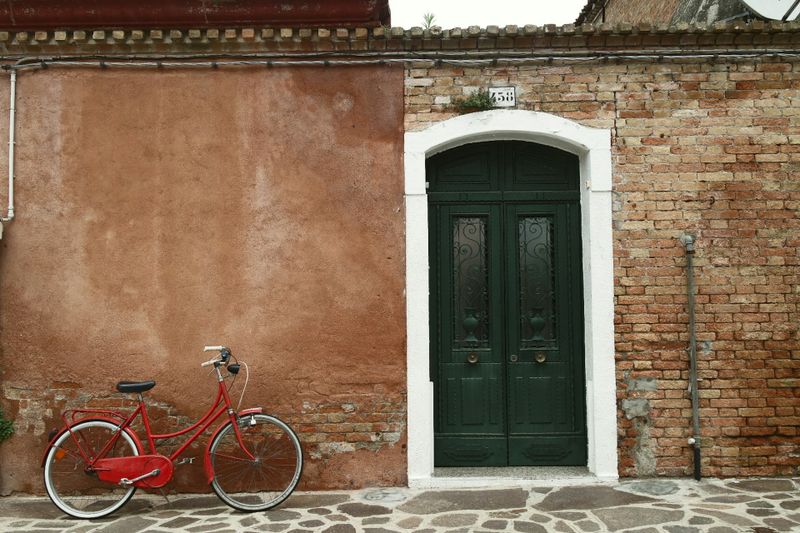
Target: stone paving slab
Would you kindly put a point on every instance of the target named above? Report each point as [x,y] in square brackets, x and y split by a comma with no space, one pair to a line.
[640,506]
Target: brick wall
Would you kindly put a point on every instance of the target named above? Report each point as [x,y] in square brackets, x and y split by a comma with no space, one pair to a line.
[700,147]
[346,438]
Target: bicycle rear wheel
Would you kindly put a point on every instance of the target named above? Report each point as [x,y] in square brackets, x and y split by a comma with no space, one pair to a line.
[74,488]
[256,485]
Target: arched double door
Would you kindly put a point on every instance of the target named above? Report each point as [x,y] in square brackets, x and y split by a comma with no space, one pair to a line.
[507,357]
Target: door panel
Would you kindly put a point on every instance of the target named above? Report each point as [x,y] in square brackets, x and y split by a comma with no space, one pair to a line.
[506,307]
[542,372]
[529,395]
[469,170]
[567,450]
[471,403]
[470,368]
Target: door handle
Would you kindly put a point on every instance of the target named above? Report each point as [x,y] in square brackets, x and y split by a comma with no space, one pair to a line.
[513,358]
[472,358]
[540,357]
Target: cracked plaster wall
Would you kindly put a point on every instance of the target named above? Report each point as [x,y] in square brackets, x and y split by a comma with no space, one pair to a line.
[158,212]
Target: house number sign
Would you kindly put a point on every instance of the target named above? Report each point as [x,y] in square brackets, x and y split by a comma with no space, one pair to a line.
[503,96]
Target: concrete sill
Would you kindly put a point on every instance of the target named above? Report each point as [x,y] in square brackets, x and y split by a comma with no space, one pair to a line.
[551,476]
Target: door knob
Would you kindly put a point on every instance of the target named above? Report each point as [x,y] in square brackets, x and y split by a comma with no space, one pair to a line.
[513,358]
[472,358]
[540,357]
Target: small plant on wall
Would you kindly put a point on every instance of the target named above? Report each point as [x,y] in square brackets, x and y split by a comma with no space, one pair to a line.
[480,100]
[6,427]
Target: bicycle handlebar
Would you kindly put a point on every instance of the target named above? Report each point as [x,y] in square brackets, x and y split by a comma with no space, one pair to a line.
[224,355]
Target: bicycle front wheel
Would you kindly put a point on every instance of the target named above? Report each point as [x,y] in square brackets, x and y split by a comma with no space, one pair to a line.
[71,484]
[263,482]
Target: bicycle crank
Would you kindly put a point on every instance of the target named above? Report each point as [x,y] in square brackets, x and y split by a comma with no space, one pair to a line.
[125,482]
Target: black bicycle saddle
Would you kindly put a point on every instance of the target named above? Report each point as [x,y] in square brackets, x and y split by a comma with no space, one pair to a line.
[135,386]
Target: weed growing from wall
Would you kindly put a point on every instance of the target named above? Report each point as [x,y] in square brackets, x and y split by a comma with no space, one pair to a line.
[480,100]
[6,427]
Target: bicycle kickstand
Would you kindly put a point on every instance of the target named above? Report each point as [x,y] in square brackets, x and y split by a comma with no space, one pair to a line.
[163,494]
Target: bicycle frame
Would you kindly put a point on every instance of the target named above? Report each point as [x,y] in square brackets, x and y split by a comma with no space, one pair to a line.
[93,464]
[221,404]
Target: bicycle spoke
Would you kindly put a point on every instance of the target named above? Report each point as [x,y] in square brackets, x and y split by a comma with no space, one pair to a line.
[231,457]
[264,482]
[72,486]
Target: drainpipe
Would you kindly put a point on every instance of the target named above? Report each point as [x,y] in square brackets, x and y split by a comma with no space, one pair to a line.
[688,242]
[11,126]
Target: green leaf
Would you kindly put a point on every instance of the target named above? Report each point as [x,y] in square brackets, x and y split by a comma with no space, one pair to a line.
[6,427]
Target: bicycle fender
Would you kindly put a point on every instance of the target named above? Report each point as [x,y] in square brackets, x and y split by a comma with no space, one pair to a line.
[94,418]
[207,456]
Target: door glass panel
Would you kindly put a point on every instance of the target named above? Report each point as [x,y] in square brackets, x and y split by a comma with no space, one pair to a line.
[536,282]
[470,283]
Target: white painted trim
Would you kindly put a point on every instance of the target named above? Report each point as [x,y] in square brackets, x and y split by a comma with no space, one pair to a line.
[593,147]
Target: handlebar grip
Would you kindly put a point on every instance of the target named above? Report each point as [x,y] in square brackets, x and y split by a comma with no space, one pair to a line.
[214,348]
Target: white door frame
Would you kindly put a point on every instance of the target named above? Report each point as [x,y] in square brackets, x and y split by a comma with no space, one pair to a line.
[593,147]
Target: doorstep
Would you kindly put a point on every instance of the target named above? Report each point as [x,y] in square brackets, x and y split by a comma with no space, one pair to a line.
[527,476]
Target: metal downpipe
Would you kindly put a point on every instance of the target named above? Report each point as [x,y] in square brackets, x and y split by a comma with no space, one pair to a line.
[688,242]
[11,143]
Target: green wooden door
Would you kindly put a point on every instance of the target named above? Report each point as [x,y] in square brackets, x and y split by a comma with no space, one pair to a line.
[506,320]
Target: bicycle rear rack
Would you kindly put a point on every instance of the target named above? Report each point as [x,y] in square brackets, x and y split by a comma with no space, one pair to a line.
[73,416]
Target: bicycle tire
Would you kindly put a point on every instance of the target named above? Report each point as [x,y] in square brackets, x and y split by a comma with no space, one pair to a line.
[70,486]
[262,484]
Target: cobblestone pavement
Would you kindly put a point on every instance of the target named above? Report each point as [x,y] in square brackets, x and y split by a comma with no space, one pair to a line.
[644,506]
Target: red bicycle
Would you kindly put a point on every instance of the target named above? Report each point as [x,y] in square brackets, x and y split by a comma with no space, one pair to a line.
[95,463]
